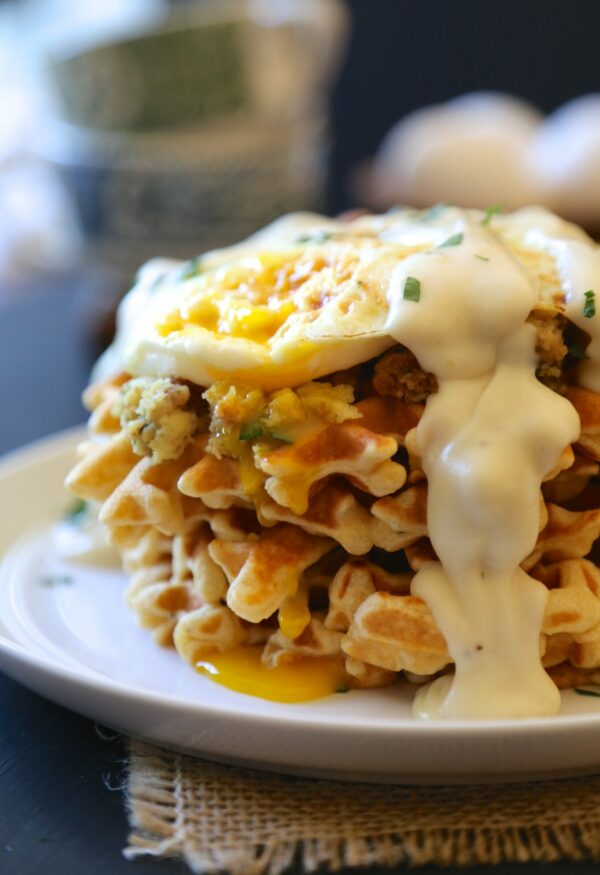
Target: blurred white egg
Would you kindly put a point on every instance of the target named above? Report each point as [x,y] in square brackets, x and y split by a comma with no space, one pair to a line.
[468,152]
[564,159]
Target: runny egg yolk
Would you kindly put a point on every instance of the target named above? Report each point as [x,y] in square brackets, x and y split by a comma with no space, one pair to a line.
[242,670]
[254,299]
[294,615]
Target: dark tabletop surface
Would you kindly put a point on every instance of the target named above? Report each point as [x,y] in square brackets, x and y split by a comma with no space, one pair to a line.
[61,806]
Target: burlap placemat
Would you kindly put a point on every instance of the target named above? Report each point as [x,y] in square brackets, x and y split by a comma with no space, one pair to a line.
[223,818]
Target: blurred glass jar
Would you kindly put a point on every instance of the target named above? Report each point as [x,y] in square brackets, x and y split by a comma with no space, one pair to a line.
[177,194]
[196,132]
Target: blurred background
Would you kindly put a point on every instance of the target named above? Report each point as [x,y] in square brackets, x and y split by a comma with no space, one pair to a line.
[134,128]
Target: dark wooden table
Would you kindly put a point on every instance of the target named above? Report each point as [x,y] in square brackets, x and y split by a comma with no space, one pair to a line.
[61,806]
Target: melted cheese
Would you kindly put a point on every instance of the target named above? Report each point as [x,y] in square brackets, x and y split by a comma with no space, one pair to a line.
[487,437]
[242,670]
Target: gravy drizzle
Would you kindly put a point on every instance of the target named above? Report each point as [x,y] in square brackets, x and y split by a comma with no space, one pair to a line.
[487,439]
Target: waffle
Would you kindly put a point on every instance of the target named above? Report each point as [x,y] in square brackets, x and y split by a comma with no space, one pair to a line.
[217,482]
[587,405]
[211,563]
[264,571]
[336,513]
[347,449]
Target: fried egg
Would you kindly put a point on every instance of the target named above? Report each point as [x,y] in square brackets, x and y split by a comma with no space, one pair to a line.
[303,298]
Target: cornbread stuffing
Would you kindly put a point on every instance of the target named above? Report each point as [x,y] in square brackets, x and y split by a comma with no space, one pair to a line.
[242,413]
[160,416]
[398,374]
[550,346]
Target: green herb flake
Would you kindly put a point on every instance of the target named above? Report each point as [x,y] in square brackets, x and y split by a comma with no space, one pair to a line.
[433,212]
[490,212]
[49,580]
[455,240]
[281,437]
[412,289]
[251,431]
[343,690]
[317,237]
[192,268]
[594,693]
[76,512]
[589,306]
[577,351]
[481,257]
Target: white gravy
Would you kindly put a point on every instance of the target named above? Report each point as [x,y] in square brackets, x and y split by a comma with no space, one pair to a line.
[487,438]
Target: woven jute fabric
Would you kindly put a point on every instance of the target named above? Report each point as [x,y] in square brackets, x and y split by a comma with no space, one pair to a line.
[227,819]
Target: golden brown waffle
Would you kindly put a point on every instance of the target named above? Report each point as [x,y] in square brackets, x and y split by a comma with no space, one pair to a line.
[208,629]
[353,584]
[341,449]
[216,546]
[100,400]
[101,468]
[218,482]
[263,571]
[315,640]
[587,405]
[570,483]
[566,535]
[397,633]
[336,513]
[149,496]
[405,513]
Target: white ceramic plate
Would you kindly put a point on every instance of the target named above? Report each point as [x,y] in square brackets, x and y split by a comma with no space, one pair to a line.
[75,642]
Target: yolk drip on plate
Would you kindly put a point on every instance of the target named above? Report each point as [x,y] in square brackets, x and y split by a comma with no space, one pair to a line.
[242,670]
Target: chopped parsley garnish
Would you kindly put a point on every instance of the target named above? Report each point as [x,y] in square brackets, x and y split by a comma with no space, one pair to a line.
[577,351]
[192,268]
[55,579]
[595,693]
[481,257]
[455,240]
[251,431]
[589,307]
[412,289]
[76,512]
[343,690]
[317,237]
[489,212]
[433,212]
[281,437]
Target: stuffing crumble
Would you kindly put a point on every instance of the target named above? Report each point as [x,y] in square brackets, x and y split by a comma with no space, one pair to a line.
[398,374]
[550,347]
[161,416]
[242,413]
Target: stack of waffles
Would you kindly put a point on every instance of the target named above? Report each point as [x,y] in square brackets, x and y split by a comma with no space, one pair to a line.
[307,549]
